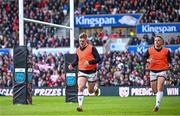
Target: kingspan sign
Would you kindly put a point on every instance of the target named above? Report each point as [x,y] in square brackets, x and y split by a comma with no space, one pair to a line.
[143,49]
[124,20]
[158,28]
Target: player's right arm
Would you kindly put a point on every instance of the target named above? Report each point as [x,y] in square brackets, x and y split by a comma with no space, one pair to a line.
[146,57]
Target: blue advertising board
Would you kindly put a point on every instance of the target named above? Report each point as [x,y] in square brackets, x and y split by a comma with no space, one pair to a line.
[19,75]
[71,79]
[139,48]
[4,51]
[158,28]
[124,20]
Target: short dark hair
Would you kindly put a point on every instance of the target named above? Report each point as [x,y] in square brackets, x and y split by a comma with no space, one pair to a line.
[83,35]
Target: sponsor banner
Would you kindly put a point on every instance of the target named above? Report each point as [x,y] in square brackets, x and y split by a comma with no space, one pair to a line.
[128,91]
[117,47]
[4,51]
[63,50]
[124,20]
[141,49]
[71,79]
[103,91]
[158,28]
[36,91]
[30,73]
[49,92]
[142,91]
[19,75]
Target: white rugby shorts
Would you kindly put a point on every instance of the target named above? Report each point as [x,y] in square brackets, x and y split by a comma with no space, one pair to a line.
[155,75]
[90,77]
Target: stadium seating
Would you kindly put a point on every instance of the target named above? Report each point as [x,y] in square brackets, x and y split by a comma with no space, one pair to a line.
[48,70]
[113,71]
[55,12]
[154,11]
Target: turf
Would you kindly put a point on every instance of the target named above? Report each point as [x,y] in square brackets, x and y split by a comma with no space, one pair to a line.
[105,106]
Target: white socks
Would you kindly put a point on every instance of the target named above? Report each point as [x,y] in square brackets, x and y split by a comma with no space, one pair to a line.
[95,87]
[80,98]
[159,96]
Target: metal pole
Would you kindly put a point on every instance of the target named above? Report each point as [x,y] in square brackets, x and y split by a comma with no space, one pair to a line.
[46,23]
[21,23]
[72,26]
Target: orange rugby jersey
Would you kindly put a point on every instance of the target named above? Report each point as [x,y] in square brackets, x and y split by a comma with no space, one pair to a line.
[85,55]
[160,59]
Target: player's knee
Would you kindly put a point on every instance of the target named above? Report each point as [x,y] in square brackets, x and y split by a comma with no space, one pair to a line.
[81,89]
[160,89]
[154,91]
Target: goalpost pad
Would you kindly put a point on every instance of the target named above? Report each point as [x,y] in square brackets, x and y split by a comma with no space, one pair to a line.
[71,80]
[21,81]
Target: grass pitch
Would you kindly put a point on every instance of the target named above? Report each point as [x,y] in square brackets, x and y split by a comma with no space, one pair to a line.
[105,106]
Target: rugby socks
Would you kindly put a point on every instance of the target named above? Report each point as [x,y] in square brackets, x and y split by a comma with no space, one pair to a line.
[80,98]
[95,87]
[159,96]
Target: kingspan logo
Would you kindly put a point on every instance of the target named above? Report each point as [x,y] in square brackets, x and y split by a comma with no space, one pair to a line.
[158,29]
[92,21]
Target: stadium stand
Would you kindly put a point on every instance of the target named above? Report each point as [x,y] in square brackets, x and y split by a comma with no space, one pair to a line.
[154,11]
[149,40]
[37,35]
[113,71]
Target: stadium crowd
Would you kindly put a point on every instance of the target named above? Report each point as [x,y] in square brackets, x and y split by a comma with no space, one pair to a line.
[154,11]
[36,35]
[148,40]
[55,11]
[101,37]
[116,69]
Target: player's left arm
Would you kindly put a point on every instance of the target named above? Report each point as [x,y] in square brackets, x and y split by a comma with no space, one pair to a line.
[96,55]
[169,57]
[169,60]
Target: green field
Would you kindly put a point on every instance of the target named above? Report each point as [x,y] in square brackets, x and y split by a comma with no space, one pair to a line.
[92,106]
